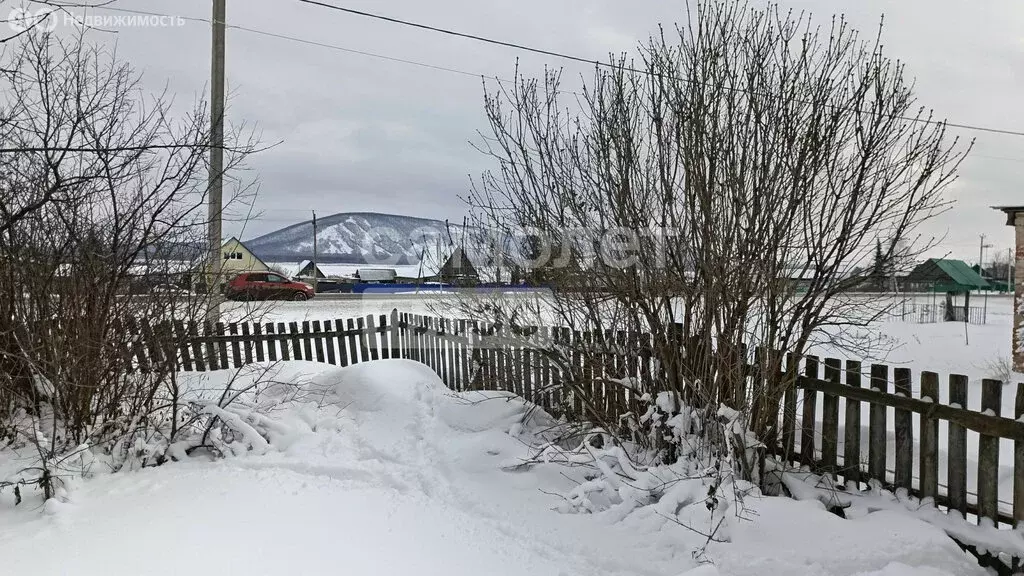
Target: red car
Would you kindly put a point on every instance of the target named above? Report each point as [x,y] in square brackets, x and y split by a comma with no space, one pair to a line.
[266,286]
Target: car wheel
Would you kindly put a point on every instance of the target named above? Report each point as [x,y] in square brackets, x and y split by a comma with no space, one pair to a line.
[299,296]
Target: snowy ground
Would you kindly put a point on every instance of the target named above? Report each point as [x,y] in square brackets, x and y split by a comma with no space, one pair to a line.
[377,469]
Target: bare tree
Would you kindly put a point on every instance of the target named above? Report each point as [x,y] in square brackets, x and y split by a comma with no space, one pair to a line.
[719,194]
[102,195]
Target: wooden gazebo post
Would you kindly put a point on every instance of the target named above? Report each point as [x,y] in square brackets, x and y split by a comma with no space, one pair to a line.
[1015,218]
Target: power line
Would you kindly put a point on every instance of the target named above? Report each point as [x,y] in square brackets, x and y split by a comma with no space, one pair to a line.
[574,58]
[307,42]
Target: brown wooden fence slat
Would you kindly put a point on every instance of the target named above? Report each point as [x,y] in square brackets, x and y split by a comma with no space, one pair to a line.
[318,342]
[956,473]
[247,350]
[904,423]
[419,335]
[929,450]
[789,409]
[138,347]
[396,344]
[356,340]
[307,341]
[272,342]
[152,343]
[329,342]
[197,346]
[182,337]
[502,360]
[447,354]
[548,393]
[809,419]
[830,418]
[339,331]
[494,358]
[222,345]
[988,453]
[370,333]
[852,426]
[236,349]
[296,340]
[257,330]
[212,360]
[172,345]
[877,430]
[282,330]
[464,359]
[1018,461]
[383,334]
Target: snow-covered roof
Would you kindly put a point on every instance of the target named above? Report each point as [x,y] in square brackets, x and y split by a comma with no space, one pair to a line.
[349,270]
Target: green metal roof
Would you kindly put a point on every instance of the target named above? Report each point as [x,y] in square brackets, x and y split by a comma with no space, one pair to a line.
[952,275]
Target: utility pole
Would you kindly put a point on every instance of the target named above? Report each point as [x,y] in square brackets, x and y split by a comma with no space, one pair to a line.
[315,279]
[981,255]
[216,181]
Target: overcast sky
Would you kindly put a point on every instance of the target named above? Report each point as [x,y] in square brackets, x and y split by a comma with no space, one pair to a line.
[360,133]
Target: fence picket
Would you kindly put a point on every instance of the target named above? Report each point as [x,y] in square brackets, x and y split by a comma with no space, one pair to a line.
[852,427]
[830,419]
[271,342]
[182,337]
[371,337]
[211,349]
[261,341]
[956,473]
[339,336]
[877,430]
[903,420]
[222,345]
[156,355]
[988,454]
[466,378]
[396,345]
[447,349]
[546,390]
[318,342]
[236,348]
[789,408]
[296,338]
[247,343]
[929,451]
[809,418]
[356,339]
[197,346]
[329,341]
[171,346]
[307,341]
[281,333]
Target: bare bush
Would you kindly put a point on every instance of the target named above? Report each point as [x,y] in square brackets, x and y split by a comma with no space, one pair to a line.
[720,193]
[102,206]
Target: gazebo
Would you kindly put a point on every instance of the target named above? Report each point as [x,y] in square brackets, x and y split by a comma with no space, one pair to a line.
[952,277]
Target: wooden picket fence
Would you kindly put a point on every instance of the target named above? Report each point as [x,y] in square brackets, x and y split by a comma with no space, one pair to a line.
[471,355]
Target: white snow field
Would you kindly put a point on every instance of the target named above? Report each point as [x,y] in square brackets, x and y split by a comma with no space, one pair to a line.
[378,469]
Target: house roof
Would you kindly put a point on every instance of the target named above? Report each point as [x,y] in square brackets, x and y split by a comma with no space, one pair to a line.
[951,275]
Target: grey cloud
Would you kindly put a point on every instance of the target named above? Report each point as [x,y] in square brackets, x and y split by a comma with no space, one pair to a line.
[361,133]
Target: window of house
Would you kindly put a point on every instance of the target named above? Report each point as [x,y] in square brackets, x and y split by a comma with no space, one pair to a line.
[232,255]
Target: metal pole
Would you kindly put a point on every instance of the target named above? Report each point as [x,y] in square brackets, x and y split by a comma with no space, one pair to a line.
[314,254]
[216,182]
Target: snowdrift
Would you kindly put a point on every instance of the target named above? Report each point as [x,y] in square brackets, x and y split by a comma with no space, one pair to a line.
[379,469]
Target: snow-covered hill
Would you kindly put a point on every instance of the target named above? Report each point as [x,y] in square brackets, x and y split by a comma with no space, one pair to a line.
[359,238]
